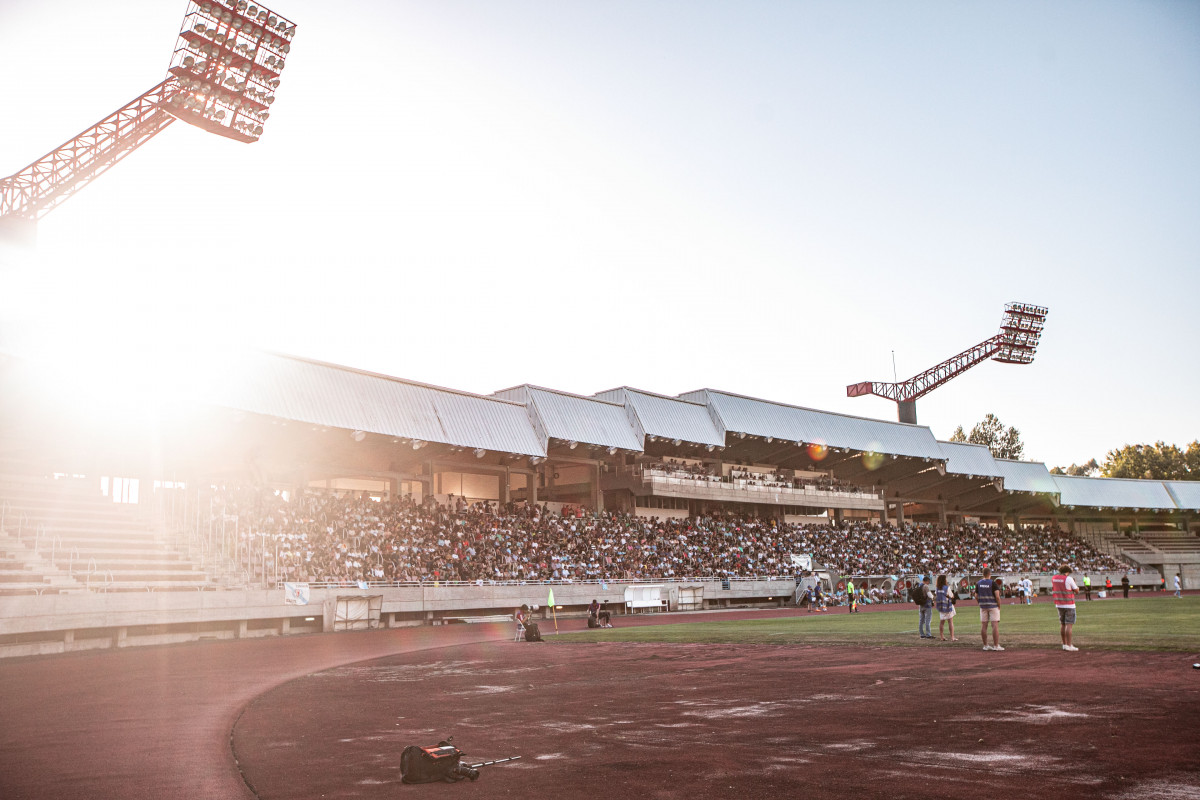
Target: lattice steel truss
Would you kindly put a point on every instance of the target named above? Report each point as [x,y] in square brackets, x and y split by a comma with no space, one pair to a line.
[1020,333]
[43,185]
[223,76]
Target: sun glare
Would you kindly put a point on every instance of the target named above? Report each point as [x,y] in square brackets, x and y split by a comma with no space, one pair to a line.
[102,350]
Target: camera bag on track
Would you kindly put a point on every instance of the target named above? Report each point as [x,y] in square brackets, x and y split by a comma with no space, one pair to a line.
[532,632]
[430,764]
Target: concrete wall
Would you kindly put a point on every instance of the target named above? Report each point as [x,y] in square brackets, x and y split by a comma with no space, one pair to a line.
[31,625]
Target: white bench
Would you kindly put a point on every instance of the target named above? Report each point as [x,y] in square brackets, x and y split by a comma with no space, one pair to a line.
[632,606]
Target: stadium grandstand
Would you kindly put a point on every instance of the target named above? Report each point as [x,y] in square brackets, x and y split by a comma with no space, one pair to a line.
[262,494]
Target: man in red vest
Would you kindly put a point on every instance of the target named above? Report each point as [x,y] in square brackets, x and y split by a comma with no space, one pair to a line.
[1063,588]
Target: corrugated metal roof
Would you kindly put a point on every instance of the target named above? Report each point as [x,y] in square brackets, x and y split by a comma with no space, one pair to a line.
[668,417]
[575,418]
[964,458]
[1113,493]
[340,397]
[749,415]
[1026,476]
[1186,494]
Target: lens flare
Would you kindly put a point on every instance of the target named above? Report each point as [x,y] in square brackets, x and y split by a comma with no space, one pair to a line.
[872,459]
[817,450]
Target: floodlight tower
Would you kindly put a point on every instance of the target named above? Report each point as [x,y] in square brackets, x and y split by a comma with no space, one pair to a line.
[223,75]
[1016,343]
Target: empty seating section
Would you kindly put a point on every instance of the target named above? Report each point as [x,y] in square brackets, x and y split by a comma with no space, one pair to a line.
[1151,546]
[1171,541]
[64,536]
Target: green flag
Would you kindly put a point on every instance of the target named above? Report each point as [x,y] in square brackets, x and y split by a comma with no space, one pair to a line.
[550,599]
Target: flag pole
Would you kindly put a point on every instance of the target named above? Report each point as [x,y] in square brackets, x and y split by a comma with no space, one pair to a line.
[553,611]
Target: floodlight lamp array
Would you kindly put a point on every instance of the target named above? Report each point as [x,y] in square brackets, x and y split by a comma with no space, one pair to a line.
[227,62]
[1020,333]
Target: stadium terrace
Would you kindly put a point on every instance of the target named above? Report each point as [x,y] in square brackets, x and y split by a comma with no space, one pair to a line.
[229,475]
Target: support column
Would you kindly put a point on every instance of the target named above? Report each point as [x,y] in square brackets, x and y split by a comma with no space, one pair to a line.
[285,626]
[506,487]
[531,488]
[942,514]
[597,495]
[900,512]
[838,516]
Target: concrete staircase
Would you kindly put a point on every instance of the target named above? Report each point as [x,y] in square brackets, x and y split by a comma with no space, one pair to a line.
[63,536]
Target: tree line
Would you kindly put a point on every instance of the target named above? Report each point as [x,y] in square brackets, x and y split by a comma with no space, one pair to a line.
[1159,461]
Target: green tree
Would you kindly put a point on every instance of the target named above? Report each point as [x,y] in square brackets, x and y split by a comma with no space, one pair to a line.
[1003,442]
[1159,461]
[1091,469]
[1191,457]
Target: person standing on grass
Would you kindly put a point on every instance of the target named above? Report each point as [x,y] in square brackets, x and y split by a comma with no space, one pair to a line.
[986,593]
[1026,587]
[1125,586]
[1087,588]
[1178,587]
[850,596]
[1063,588]
[945,607]
[925,601]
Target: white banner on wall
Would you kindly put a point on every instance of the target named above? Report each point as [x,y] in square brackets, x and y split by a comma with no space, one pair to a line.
[802,561]
[295,594]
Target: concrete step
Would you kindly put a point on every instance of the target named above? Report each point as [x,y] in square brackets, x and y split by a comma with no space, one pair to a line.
[158,586]
[134,576]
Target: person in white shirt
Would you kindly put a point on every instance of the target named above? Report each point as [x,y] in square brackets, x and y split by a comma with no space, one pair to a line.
[1063,588]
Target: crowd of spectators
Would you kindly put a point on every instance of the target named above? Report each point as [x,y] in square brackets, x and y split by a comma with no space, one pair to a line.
[320,537]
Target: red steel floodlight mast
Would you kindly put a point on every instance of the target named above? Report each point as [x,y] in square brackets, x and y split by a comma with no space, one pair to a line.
[223,76]
[1020,332]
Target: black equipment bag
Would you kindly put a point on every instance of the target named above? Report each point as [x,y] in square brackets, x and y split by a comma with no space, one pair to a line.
[430,764]
[532,633]
[593,622]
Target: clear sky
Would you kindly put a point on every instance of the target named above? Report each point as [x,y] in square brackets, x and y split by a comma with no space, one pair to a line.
[764,197]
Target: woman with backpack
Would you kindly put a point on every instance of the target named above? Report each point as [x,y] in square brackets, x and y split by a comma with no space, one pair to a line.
[945,606]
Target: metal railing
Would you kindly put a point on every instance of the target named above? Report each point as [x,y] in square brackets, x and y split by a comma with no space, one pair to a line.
[751,485]
[397,584]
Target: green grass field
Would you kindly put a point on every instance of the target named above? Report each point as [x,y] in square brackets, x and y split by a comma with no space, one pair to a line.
[1156,623]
